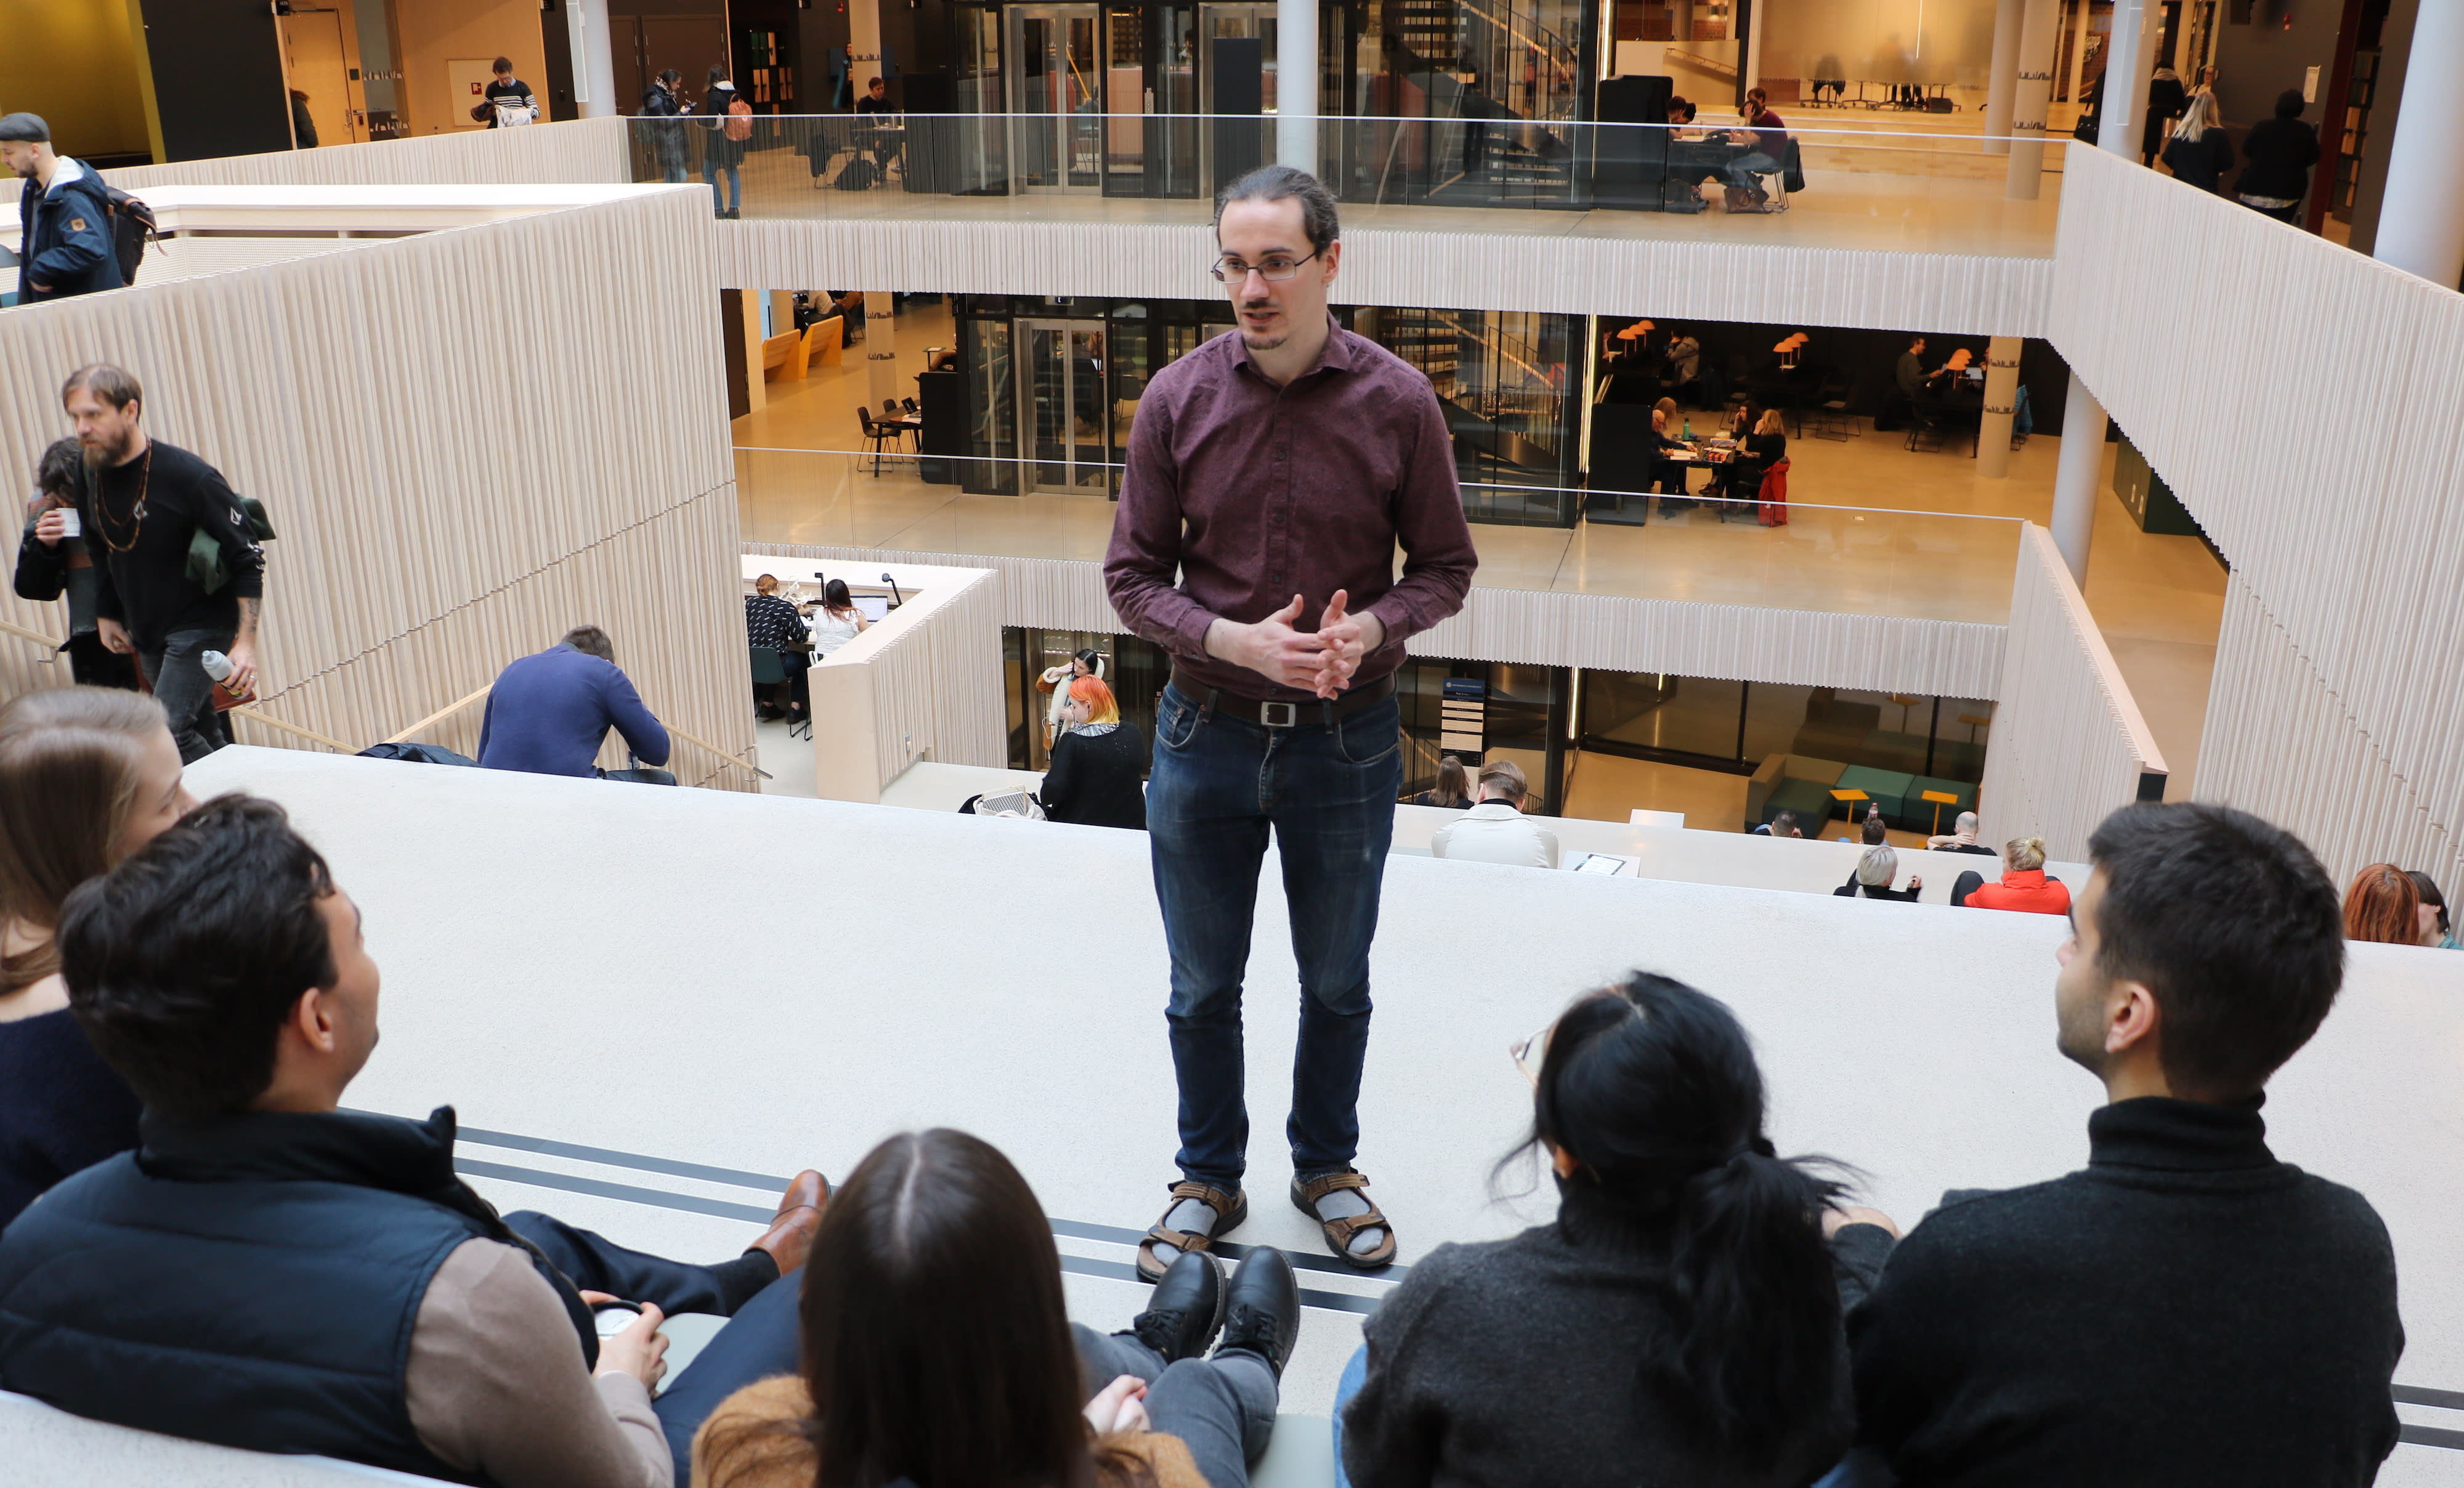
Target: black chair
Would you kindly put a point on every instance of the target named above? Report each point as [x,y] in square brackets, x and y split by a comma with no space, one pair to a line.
[1829,415]
[874,435]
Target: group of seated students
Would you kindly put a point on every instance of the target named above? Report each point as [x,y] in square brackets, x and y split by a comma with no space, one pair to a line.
[1754,472]
[232,1256]
[1744,155]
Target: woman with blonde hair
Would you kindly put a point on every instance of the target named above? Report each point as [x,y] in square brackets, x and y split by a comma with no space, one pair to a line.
[2024,887]
[2384,904]
[87,776]
[2199,152]
[1098,763]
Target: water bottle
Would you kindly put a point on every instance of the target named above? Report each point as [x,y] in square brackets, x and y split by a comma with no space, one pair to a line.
[219,668]
[1688,435]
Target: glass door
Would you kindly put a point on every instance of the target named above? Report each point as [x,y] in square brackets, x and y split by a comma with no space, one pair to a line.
[1063,418]
[1056,98]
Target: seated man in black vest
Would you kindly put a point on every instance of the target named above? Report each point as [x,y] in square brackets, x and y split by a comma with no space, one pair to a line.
[2186,1309]
[270,1272]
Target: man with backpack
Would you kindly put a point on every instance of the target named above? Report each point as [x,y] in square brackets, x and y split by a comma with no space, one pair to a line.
[64,219]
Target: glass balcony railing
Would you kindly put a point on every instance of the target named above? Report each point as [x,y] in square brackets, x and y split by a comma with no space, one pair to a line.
[961,165]
[1927,565]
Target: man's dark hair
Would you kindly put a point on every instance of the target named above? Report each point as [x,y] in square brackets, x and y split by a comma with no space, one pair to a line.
[23,128]
[57,474]
[1875,833]
[502,66]
[2234,925]
[1783,823]
[591,641]
[184,961]
[1282,184]
[2290,103]
[671,78]
[1680,104]
[875,83]
[106,382]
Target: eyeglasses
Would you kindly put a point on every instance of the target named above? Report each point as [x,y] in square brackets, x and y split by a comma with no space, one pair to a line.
[1274,270]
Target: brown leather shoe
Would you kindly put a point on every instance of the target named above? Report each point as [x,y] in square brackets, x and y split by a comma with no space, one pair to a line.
[790,1236]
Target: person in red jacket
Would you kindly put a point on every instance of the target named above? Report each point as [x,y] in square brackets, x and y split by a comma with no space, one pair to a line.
[2024,886]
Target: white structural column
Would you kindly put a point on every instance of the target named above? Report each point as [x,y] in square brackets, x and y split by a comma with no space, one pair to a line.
[1296,84]
[2077,478]
[2032,92]
[2421,222]
[594,59]
[2001,403]
[881,346]
[2129,64]
[1757,12]
[2009,16]
[864,59]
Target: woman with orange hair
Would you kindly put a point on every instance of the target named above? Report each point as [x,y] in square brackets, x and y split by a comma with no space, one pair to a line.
[1099,763]
[2384,904]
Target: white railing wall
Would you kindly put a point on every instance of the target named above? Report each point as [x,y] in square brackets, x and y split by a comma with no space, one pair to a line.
[1880,652]
[579,152]
[2069,745]
[925,683]
[2302,401]
[1958,293]
[459,470]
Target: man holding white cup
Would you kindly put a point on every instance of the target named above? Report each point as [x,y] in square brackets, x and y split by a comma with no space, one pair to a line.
[53,563]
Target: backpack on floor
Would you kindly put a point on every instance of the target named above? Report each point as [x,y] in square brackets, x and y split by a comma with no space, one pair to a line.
[859,174]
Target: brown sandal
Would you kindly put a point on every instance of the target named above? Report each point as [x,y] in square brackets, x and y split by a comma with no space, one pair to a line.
[1339,1232]
[1231,1211]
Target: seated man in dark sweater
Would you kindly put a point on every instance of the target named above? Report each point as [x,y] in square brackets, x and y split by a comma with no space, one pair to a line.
[549,713]
[270,1272]
[2186,1309]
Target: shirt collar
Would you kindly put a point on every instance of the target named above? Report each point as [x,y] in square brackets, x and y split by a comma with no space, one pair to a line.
[1335,356]
[1497,811]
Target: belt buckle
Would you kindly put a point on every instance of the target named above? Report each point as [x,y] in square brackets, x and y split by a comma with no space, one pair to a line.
[1267,718]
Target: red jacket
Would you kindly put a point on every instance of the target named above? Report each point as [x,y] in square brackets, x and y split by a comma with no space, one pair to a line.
[2023,888]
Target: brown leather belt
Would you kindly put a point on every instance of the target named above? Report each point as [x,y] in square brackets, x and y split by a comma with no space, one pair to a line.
[1283,715]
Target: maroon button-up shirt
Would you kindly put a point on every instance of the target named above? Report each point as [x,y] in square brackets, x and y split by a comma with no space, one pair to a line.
[1252,494]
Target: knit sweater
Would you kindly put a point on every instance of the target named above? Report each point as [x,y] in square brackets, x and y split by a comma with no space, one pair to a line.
[1522,1361]
[2186,1309]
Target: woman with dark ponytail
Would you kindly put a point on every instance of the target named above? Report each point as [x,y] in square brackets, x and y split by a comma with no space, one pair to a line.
[1679,1322]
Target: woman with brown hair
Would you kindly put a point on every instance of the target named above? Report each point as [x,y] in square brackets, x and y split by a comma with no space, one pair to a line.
[87,776]
[937,1348]
[1453,790]
[2384,904]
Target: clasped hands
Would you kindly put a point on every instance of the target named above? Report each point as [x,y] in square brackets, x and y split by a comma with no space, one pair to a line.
[1320,660]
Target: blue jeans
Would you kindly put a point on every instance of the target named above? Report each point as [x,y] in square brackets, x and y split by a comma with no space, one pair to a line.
[1355,1375]
[1328,792]
[1741,171]
[710,172]
[176,671]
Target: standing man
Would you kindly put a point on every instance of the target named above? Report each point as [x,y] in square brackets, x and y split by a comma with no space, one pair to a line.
[145,504]
[63,219]
[1274,473]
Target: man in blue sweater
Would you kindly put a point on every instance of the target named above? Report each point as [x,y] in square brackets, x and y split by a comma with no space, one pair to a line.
[549,713]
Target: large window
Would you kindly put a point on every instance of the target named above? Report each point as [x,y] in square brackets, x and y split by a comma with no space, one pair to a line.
[1712,723]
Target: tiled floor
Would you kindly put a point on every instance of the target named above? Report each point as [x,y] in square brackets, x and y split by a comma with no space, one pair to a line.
[1874,529]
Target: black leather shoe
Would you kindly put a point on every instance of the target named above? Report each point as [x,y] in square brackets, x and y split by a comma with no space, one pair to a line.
[1261,1308]
[1186,1308]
